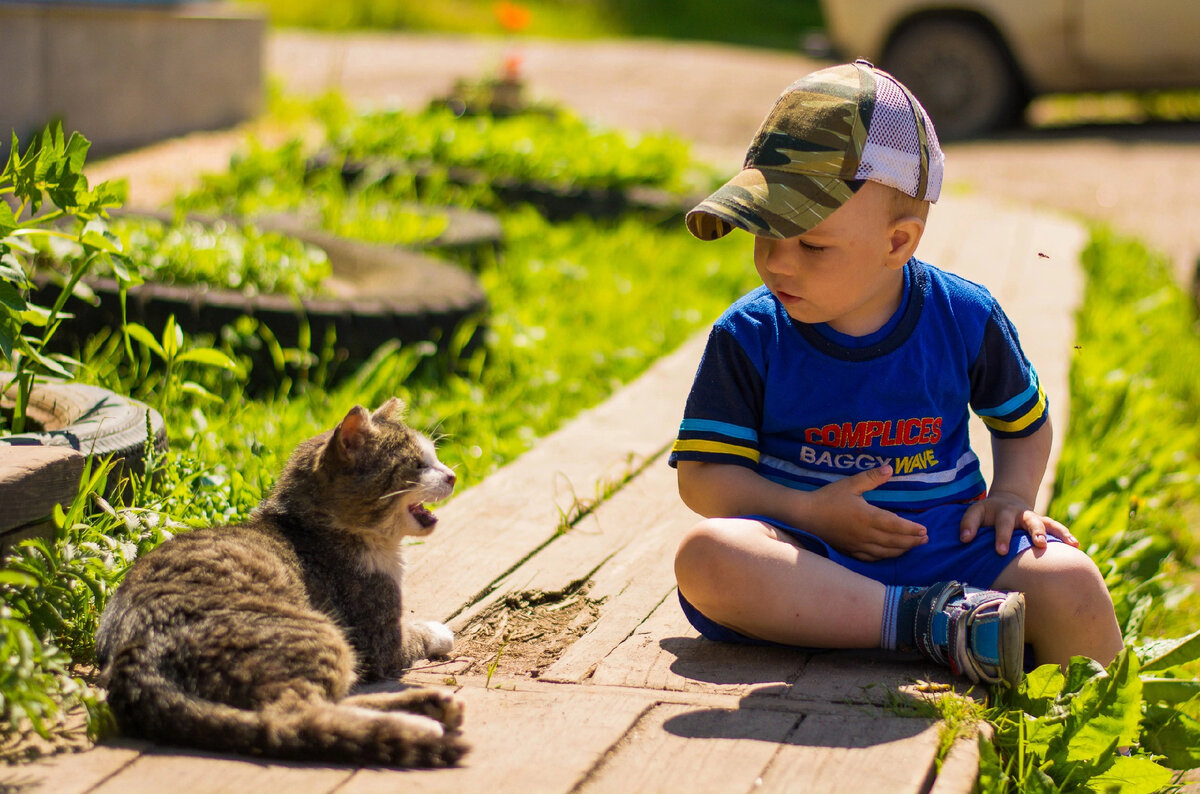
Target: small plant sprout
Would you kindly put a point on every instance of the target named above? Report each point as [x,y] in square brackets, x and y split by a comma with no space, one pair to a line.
[49,173]
[169,349]
[491,668]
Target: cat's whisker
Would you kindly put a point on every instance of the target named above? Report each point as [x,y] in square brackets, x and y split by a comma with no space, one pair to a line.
[401,492]
[436,435]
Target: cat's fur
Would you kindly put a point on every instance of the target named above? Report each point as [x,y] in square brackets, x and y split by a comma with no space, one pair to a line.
[249,638]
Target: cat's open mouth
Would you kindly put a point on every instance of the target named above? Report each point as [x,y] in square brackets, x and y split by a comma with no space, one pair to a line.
[423,515]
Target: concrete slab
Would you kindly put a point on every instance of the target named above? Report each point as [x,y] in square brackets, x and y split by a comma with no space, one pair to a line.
[126,75]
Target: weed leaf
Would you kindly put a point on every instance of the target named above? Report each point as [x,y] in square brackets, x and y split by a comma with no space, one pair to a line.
[143,335]
[1040,689]
[11,298]
[8,221]
[1173,734]
[209,356]
[16,578]
[1130,776]
[1164,654]
[1106,711]
[1169,690]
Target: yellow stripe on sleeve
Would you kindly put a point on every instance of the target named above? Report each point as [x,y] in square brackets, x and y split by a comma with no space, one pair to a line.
[1017,425]
[716,447]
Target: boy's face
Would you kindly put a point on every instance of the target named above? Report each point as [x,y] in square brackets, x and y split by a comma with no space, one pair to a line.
[844,271]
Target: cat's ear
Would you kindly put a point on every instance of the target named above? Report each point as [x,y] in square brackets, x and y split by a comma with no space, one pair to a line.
[392,410]
[350,436]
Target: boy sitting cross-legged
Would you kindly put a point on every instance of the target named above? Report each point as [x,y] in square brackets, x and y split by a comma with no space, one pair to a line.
[825,436]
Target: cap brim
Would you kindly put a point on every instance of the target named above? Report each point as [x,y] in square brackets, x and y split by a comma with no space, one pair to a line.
[769,202]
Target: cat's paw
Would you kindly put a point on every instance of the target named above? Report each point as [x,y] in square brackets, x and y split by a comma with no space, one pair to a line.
[443,707]
[439,639]
[425,639]
[425,701]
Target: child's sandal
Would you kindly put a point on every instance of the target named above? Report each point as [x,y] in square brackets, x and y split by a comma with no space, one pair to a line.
[978,633]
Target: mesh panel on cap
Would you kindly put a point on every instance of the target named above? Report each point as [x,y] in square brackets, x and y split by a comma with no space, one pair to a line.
[892,153]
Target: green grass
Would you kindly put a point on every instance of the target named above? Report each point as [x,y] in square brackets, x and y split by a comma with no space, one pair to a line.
[1129,476]
[1128,482]
[764,23]
[243,259]
[1115,108]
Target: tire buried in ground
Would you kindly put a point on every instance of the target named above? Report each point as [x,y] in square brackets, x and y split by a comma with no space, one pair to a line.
[377,294]
[92,420]
[471,237]
[555,202]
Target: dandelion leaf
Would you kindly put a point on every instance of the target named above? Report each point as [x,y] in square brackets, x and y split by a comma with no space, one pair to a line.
[1165,654]
[1174,734]
[1106,711]
[1130,776]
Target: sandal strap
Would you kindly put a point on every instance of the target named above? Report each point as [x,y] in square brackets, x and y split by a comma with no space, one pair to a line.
[931,629]
[977,633]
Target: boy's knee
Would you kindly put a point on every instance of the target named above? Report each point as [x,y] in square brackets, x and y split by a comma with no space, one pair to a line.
[1068,579]
[700,547]
[1075,571]
[702,554]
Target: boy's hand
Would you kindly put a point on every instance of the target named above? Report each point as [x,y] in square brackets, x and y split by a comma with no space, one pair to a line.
[846,521]
[1007,512]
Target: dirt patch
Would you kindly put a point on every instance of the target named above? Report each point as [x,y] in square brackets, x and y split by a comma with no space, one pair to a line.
[524,633]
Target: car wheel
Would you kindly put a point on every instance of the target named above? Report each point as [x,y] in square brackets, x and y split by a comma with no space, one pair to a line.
[960,72]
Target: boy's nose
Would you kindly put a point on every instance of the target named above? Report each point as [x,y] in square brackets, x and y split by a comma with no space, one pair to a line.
[780,255]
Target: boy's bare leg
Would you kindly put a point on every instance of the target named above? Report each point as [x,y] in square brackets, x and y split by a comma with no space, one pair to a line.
[1068,610]
[754,579]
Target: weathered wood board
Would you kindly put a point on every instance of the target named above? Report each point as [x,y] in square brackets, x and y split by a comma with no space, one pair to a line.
[838,753]
[70,773]
[537,740]
[684,748]
[493,527]
[163,769]
[666,653]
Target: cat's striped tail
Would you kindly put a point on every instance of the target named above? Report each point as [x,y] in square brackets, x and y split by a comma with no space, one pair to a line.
[150,704]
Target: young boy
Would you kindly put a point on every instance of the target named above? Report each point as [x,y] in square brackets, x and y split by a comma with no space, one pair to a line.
[825,437]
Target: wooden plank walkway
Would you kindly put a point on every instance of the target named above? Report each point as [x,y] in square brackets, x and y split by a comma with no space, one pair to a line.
[578,671]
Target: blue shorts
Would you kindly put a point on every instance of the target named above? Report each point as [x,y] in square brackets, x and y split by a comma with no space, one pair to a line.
[943,558]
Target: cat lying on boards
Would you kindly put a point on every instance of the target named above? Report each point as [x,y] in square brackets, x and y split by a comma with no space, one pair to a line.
[249,638]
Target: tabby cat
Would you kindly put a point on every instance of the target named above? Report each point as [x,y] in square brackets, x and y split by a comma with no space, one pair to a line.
[249,638]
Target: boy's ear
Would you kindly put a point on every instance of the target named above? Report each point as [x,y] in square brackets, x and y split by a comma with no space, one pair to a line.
[903,236]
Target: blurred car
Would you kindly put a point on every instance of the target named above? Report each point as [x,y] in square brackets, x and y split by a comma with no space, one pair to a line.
[976,64]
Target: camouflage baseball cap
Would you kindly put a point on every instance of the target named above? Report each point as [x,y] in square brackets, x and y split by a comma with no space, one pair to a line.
[828,133]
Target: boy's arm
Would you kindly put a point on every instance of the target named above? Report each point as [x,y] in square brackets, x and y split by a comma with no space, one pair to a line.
[836,513]
[1018,465]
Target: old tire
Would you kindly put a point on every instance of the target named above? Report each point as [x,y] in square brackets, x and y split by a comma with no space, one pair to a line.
[379,293]
[90,419]
[555,202]
[961,72]
[471,237]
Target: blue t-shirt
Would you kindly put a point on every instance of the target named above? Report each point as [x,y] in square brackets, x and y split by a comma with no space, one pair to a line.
[804,405]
